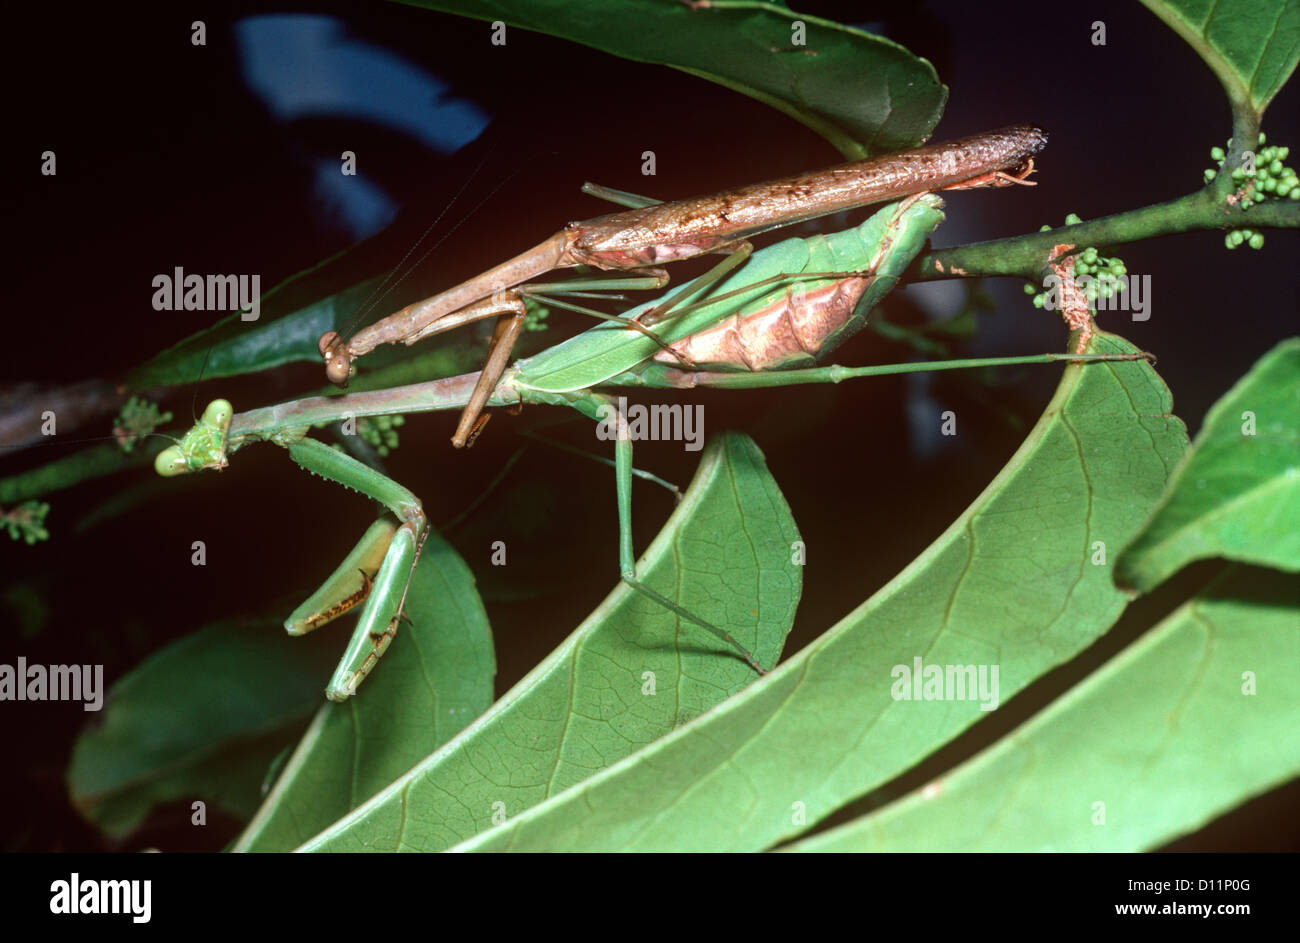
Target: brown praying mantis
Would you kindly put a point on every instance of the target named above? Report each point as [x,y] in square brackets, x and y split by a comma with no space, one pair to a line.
[649,234]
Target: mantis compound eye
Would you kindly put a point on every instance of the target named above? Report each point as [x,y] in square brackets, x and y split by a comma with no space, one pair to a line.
[171,462]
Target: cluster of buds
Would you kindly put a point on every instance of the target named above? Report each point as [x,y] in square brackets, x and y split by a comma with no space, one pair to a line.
[380,432]
[26,522]
[1268,179]
[1106,273]
[138,418]
[535,318]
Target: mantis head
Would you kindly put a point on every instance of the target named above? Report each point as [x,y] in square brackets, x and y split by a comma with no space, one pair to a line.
[338,362]
[204,446]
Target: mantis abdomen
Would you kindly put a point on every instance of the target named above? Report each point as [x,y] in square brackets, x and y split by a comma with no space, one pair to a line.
[792,328]
[798,322]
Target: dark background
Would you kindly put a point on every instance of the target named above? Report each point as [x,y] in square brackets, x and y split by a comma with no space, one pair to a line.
[167,157]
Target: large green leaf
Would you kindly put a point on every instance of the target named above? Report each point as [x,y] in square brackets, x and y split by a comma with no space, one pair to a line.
[1252,45]
[1020,581]
[435,679]
[1237,492]
[863,93]
[1192,719]
[631,672]
[201,719]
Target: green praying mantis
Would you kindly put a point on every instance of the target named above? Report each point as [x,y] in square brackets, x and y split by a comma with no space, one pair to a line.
[759,319]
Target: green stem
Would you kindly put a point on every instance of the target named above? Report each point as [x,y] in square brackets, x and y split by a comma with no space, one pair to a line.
[1245,137]
[1026,256]
[1245,114]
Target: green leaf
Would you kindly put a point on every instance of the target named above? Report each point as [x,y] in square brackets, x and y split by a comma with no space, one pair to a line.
[1017,581]
[288,333]
[1192,719]
[435,679]
[1252,45]
[72,470]
[630,673]
[863,93]
[200,719]
[1237,492]
[292,318]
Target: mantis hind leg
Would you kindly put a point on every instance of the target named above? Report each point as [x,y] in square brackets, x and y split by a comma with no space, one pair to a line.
[591,406]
